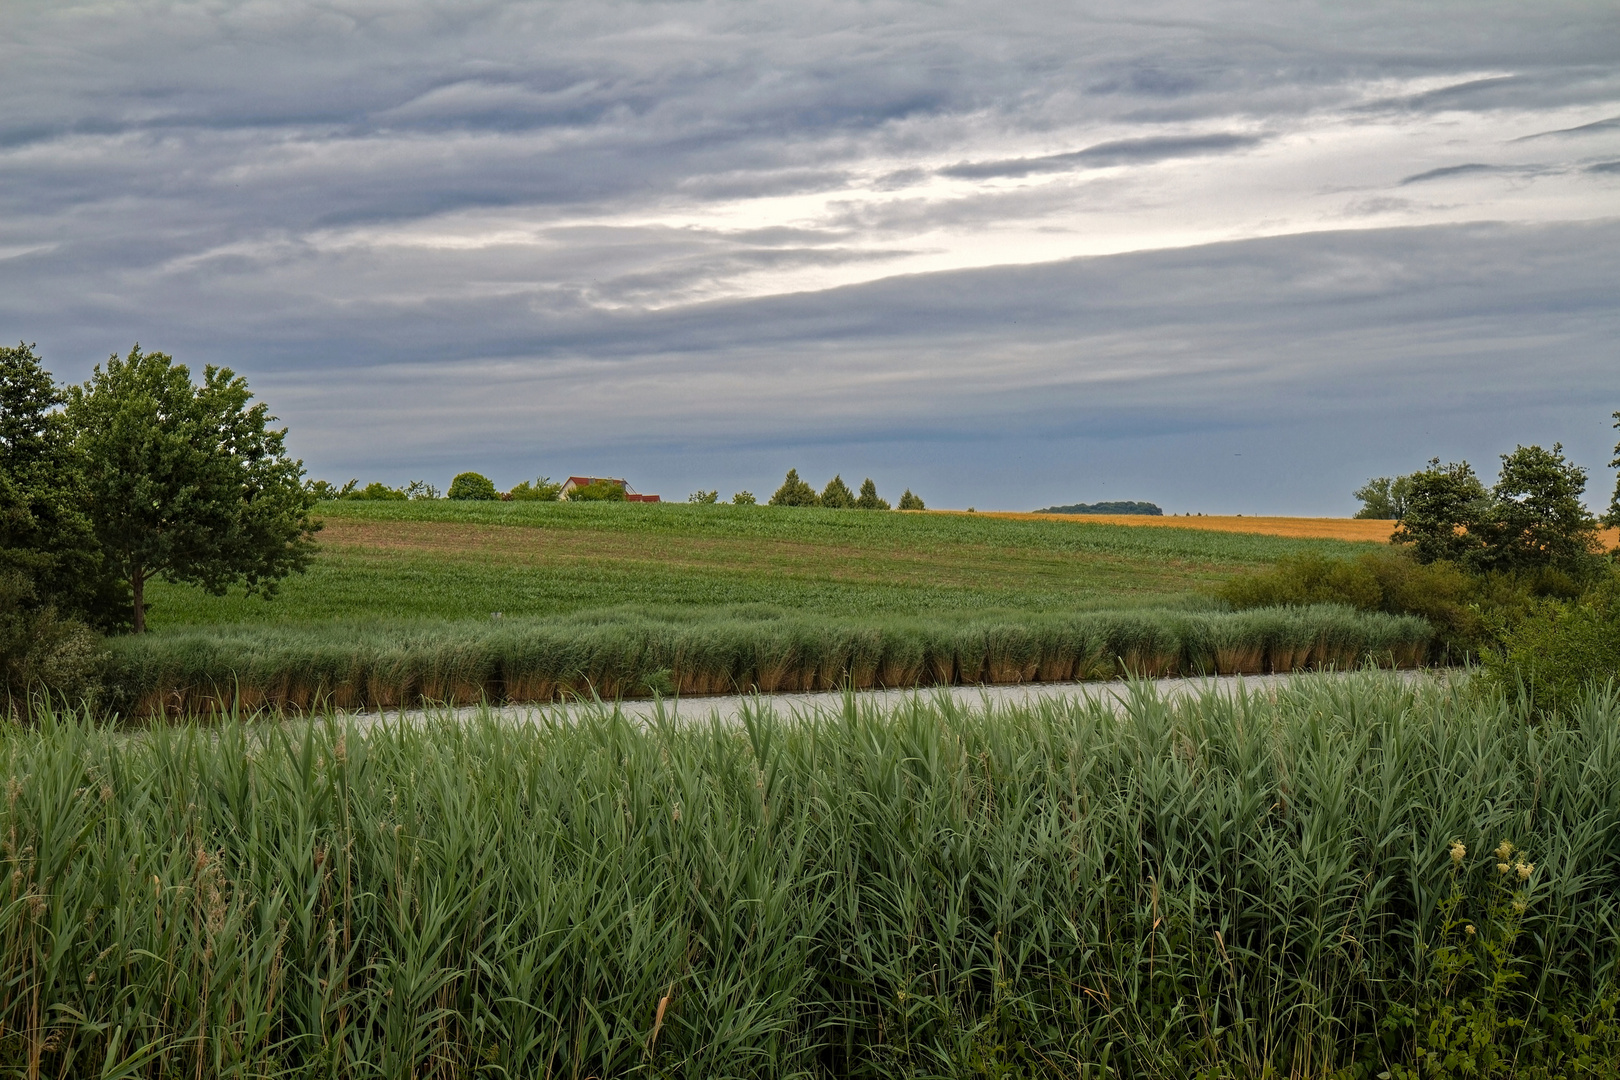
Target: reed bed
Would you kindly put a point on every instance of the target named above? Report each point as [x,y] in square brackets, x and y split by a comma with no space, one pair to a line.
[627,654]
[1266,885]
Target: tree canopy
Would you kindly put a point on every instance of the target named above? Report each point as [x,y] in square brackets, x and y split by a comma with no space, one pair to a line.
[1612,518]
[836,495]
[188,482]
[472,486]
[794,492]
[868,498]
[1384,498]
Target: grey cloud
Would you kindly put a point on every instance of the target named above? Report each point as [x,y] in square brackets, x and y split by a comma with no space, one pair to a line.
[1118,152]
[1469,169]
[1595,128]
[1604,167]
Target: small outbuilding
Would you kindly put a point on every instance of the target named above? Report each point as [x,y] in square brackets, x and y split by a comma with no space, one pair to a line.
[576,482]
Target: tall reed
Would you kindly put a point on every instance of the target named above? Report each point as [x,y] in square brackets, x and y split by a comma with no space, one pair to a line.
[632,654]
[1221,887]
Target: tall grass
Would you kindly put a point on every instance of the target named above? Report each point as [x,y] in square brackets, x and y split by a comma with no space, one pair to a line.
[1214,887]
[627,654]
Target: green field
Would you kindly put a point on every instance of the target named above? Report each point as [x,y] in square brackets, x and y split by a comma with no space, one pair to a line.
[1308,882]
[466,560]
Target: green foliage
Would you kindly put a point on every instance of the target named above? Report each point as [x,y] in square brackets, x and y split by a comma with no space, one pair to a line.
[1208,888]
[321,491]
[45,535]
[744,498]
[471,485]
[188,483]
[868,499]
[1384,498]
[1444,507]
[704,498]
[794,492]
[421,489]
[1536,518]
[626,652]
[908,501]
[598,491]
[541,490]
[1531,520]
[1388,581]
[1612,518]
[41,652]
[1556,650]
[837,496]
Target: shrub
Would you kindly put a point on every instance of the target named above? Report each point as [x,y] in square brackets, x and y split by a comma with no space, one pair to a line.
[471,485]
[704,498]
[908,501]
[837,496]
[421,489]
[541,490]
[1557,651]
[744,498]
[42,653]
[376,490]
[868,499]
[795,492]
[598,491]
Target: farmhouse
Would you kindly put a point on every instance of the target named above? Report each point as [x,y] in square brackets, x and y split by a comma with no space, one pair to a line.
[630,495]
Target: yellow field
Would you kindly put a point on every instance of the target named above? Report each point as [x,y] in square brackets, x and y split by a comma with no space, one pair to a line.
[1299,527]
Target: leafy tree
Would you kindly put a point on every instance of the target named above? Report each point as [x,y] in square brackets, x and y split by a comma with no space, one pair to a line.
[1384,498]
[542,490]
[188,482]
[1535,517]
[421,489]
[600,491]
[744,498]
[836,495]
[795,492]
[707,498]
[868,499]
[1612,518]
[45,535]
[908,501]
[472,486]
[376,491]
[1444,506]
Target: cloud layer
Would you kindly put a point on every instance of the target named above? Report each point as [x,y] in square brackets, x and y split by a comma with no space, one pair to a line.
[1007,255]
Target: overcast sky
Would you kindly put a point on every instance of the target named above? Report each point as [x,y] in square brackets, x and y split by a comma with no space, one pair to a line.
[1228,257]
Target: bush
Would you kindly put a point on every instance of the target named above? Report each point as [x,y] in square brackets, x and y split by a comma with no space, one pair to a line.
[704,498]
[474,486]
[837,496]
[1387,581]
[744,498]
[1558,650]
[377,491]
[868,499]
[542,490]
[599,491]
[795,492]
[42,653]
[908,501]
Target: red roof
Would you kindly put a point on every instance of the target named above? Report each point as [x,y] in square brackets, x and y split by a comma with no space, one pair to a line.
[629,493]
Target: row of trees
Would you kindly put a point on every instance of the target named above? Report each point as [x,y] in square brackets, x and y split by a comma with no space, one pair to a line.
[1532,518]
[837,496]
[138,473]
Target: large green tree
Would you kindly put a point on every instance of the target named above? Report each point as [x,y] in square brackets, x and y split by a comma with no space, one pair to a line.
[1536,517]
[1444,506]
[188,482]
[45,534]
[795,492]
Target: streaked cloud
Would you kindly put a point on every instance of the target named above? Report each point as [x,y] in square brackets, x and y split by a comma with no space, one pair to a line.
[706,233]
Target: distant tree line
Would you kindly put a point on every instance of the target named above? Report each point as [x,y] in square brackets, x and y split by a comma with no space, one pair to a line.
[837,496]
[1146,509]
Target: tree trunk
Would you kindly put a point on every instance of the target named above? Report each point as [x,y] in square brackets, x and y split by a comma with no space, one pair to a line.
[137,585]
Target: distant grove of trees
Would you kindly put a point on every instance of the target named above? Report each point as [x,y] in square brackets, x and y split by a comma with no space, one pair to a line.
[1532,517]
[1146,509]
[837,496]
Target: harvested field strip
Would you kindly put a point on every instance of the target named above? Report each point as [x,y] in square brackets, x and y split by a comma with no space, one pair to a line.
[1350,529]
[225,669]
[1071,890]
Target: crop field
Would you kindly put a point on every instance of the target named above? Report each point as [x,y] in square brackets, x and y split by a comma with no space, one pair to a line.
[1334,879]
[444,560]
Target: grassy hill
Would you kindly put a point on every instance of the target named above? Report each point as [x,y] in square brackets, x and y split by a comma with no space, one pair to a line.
[445,560]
